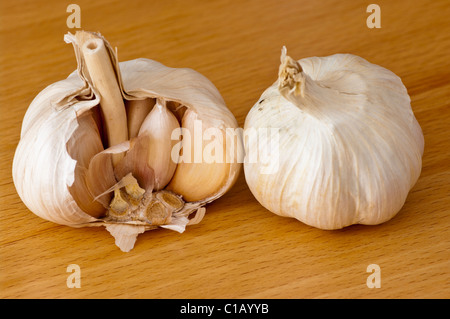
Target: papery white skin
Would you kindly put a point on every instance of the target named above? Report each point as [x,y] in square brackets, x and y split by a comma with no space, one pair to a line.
[42,167]
[350,148]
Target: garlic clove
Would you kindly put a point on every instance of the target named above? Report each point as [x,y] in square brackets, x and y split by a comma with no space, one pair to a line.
[157,213]
[137,110]
[197,176]
[135,162]
[100,178]
[170,200]
[158,127]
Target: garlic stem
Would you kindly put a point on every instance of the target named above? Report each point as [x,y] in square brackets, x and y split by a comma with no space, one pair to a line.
[291,79]
[309,95]
[104,79]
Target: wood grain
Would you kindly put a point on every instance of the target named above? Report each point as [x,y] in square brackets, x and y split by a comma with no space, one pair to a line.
[239,250]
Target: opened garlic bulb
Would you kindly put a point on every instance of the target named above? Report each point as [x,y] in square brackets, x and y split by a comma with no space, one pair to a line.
[345,146]
[106,146]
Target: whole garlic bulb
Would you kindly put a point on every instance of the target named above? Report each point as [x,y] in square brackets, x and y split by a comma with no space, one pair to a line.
[348,148]
[99,148]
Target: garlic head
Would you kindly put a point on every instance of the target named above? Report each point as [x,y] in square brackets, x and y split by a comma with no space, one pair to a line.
[348,148]
[97,149]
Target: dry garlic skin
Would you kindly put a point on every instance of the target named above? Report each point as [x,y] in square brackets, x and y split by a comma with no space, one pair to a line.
[348,147]
[103,147]
[43,170]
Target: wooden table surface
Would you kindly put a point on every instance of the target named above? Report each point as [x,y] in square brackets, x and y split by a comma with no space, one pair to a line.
[239,250]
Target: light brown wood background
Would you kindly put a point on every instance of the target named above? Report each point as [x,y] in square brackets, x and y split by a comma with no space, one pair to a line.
[239,250]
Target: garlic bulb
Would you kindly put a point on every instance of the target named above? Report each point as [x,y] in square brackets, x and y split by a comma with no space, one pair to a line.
[102,147]
[347,148]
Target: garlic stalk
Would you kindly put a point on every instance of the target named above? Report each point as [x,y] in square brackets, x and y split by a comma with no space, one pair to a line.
[100,70]
[349,147]
[96,149]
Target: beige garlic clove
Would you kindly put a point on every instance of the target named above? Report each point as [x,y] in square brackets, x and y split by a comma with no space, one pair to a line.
[159,125]
[137,110]
[93,166]
[348,147]
[200,163]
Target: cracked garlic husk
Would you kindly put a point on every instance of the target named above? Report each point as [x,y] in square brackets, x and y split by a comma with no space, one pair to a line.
[97,149]
[348,148]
